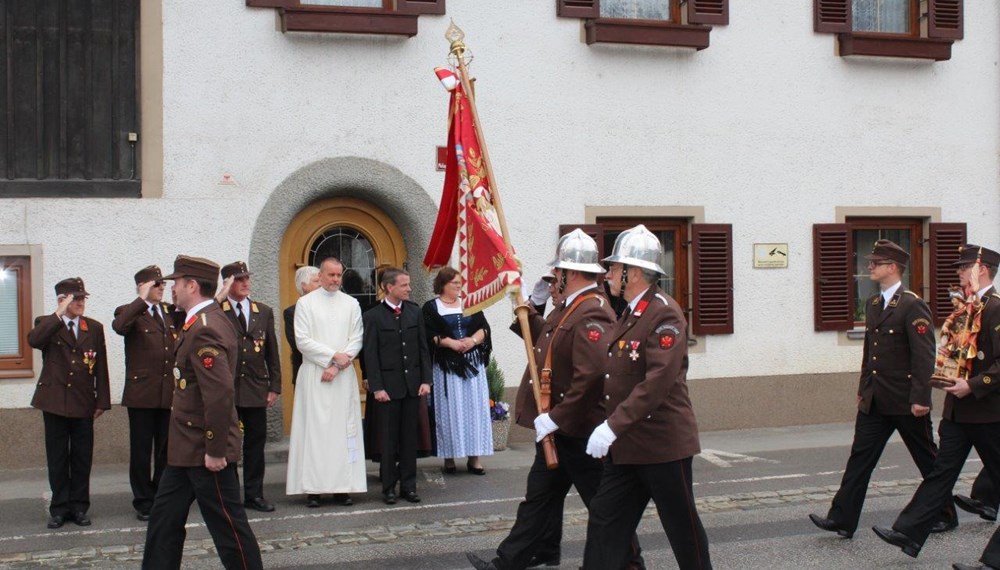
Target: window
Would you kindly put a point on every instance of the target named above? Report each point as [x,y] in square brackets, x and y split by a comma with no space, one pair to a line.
[697,259]
[650,22]
[15,317]
[387,17]
[923,29]
[840,275]
[68,90]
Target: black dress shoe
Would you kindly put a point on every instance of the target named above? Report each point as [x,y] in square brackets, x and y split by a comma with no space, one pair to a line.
[142,515]
[976,507]
[312,501]
[959,566]
[539,561]
[81,519]
[411,496]
[944,526]
[830,525]
[478,563]
[449,469]
[343,499]
[475,470]
[55,521]
[259,504]
[905,543]
[389,498]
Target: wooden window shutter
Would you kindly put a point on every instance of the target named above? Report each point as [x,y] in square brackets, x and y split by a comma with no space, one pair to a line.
[944,19]
[578,8]
[712,269]
[833,256]
[945,239]
[420,6]
[712,12]
[833,16]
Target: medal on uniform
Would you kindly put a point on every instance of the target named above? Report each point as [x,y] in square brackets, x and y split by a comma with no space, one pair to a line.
[621,347]
[183,383]
[177,373]
[634,355]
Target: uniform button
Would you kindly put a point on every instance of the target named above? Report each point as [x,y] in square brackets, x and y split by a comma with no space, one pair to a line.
[874,372]
[145,330]
[538,350]
[607,397]
[404,344]
[650,416]
[874,358]
[72,362]
[189,423]
[70,373]
[987,380]
[70,385]
[562,395]
[405,371]
[244,350]
[630,324]
[404,357]
[891,331]
[609,353]
[242,375]
[529,381]
[548,334]
[606,376]
[875,343]
[876,330]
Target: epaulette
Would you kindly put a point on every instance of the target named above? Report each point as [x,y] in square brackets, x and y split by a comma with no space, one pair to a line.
[662,298]
[908,292]
[995,294]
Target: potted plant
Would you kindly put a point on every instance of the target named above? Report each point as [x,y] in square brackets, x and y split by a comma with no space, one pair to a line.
[499,410]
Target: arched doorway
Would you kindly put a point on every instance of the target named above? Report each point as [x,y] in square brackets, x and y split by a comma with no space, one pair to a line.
[357,232]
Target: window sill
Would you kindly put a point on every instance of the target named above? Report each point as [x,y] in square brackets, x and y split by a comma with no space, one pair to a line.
[888,46]
[70,189]
[16,373]
[339,20]
[856,334]
[646,33]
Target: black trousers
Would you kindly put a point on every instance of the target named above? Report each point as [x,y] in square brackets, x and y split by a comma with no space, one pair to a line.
[871,432]
[69,452]
[957,440]
[616,510]
[254,437]
[397,422]
[147,437]
[538,527]
[218,496]
[983,490]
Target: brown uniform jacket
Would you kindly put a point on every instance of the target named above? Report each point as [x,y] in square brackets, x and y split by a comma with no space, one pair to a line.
[646,391]
[258,368]
[898,357]
[577,367]
[983,404]
[74,380]
[149,354]
[203,418]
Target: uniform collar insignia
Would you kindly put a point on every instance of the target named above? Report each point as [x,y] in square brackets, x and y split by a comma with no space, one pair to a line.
[253,307]
[894,301]
[226,306]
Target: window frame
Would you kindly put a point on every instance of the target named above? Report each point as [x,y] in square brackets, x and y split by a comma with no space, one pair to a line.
[916,250]
[20,365]
[935,30]
[51,138]
[395,17]
[687,28]
[681,229]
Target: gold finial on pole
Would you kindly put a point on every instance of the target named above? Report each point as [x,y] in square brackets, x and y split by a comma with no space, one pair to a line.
[455,35]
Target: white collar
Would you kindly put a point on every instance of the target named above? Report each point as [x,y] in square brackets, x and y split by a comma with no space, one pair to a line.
[244,303]
[67,320]
[572,297]
[983,291]
[634,302]
[194,310]
[888,293]
[391,306]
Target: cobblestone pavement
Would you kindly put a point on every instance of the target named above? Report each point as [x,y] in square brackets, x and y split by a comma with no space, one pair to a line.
[130,554]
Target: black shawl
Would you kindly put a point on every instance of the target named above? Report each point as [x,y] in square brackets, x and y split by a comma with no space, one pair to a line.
[450,361]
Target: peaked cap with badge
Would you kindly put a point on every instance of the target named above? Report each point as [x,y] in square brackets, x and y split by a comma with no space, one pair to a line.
[885,250]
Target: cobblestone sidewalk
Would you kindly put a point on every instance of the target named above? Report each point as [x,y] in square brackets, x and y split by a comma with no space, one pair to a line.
[104,556]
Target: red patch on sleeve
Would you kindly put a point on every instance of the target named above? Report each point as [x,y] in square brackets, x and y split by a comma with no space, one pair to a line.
[593,335]
[666,340]
[921,329]
[208,362]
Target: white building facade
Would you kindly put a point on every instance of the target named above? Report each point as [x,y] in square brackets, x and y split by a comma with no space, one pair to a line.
[276,147]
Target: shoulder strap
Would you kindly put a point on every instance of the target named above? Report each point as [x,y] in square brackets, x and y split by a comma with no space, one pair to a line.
[569,311]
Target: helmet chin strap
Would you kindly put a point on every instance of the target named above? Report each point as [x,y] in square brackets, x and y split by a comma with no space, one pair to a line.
[624,281]
[562,280]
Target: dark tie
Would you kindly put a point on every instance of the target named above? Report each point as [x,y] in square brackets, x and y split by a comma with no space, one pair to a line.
[156,315]
[72,331]
[240,317]
[397,310]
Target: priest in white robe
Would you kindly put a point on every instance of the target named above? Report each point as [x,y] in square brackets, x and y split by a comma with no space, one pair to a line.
[326,453]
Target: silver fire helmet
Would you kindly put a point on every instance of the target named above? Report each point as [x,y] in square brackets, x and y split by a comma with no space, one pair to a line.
[577,251]
[639,247]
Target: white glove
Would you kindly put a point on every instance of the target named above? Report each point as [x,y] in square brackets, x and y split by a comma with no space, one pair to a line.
[544,426]
[539,293]
[600,441]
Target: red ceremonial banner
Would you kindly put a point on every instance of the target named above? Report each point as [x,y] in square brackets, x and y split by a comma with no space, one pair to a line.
[489,268]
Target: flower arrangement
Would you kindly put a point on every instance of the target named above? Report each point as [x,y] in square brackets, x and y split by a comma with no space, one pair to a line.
[499,410]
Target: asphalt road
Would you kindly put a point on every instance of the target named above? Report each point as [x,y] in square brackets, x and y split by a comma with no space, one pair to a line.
[755,490]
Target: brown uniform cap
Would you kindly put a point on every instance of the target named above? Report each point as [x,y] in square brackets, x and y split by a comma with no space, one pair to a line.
[886,250]
[194,268]
[72,286]
[235,269]
[969,252]
[148,273]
